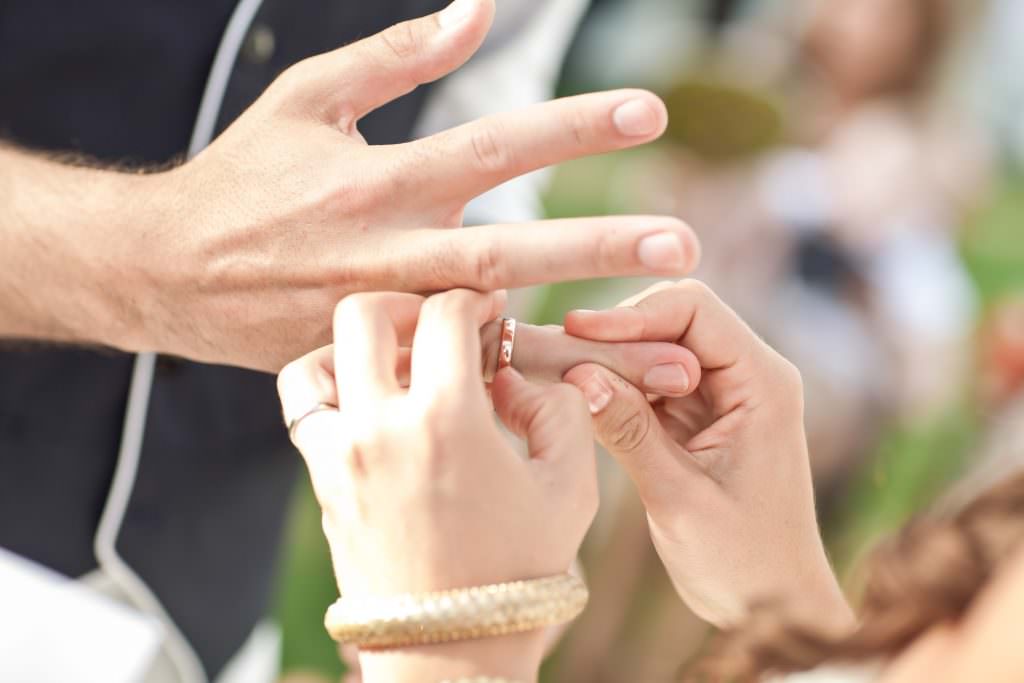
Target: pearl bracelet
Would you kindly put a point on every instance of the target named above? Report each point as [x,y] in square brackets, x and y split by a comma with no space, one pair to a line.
[372,621]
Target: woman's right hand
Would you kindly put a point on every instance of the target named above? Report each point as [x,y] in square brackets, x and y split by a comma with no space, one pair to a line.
[724,471]
[420,489]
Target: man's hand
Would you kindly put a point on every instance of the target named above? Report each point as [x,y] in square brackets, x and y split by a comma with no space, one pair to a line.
[723,472]
[289,210]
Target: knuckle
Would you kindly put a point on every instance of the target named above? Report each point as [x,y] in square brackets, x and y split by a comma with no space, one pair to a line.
[355,456]
[609,252]
[454,303]
[287,376]
[487,266]
[439,305]
[790,378]
[698,290]
[437,427]
[490,154]
[631,431]
[783,381]
[402,40]
[294,78]
[579,127]
[350,308]
[571,398]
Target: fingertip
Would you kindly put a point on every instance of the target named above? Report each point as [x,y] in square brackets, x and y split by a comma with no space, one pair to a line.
[672,248]
[592,381]
[691,246]
[693,370]
[472,18]
[641,116]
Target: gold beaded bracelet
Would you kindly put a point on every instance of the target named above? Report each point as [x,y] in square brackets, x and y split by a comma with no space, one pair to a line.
[372,621]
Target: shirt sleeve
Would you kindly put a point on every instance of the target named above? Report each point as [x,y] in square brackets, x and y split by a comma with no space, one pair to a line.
[518,65]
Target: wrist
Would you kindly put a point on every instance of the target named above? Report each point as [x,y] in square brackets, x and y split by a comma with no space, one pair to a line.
[117,252]
[812,596]
[74,251]
[125,259]
[515,657]
[825,606]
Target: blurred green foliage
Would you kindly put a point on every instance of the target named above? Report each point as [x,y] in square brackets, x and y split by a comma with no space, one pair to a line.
[993,243]
[721,122]
[305,590]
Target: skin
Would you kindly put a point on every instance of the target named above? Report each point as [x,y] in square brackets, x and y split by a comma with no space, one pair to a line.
[434,448]
[723,472]
[544,354]
[239,255]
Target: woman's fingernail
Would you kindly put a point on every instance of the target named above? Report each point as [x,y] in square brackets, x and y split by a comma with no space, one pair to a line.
[662,252]
[456,13]
[635,118]
[668,380]
[597,392]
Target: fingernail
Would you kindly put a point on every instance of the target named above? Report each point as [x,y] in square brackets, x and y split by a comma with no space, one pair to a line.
[635,118]
[662,252]
[597,392]
[456,13]
[668,380]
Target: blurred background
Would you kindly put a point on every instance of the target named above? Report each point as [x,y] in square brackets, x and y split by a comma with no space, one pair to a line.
[854,171]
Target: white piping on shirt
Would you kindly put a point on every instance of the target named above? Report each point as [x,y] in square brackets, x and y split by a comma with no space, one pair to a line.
[176,646]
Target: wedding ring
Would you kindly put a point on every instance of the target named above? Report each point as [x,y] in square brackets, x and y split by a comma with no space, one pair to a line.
[508,342]
[293,424]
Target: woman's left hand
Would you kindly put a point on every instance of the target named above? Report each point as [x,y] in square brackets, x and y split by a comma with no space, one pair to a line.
[420,489]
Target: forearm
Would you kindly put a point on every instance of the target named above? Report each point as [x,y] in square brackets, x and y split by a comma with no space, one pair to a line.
[515,658]
[67,235]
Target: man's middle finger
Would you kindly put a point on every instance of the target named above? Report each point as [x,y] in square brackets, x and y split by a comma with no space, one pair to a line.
[464,162]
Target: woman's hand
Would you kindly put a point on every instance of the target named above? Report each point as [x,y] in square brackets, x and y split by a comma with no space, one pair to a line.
[723,472]
[420,490]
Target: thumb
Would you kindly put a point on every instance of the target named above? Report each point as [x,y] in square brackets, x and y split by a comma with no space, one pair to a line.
[625,424]
[553,419]
[372,72]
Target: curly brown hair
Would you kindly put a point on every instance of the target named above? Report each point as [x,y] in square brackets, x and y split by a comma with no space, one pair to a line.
[929,573]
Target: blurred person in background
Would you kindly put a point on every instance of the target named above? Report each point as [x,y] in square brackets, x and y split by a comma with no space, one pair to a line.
[425,502]
[826,155]
[165,483]
[840,246]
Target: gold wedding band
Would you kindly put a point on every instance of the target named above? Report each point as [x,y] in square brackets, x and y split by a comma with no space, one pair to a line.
[508,342]
[293,424]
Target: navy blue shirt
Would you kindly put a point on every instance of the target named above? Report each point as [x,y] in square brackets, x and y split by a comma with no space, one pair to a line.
[121,81]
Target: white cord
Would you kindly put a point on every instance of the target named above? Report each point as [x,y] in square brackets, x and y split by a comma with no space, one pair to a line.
[177,647]
[220,74]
